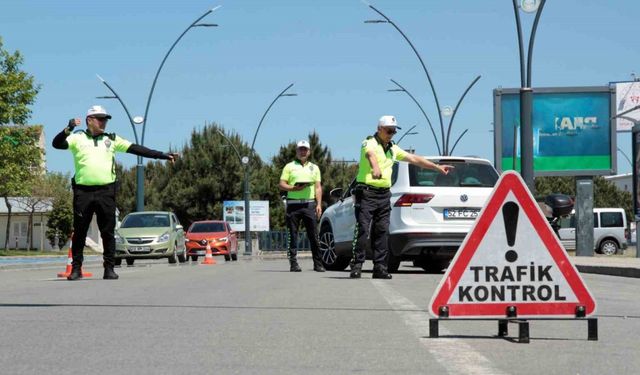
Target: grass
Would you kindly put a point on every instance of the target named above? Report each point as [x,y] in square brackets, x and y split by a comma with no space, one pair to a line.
[24,252]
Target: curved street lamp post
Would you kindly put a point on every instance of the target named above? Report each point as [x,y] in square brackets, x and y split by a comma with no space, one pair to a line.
[406,133]
[526,92]
[245,161]
[445,138]
[143,120]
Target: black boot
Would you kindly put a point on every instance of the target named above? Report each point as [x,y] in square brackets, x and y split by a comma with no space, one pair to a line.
[380,272]
[110,274]
[294,266]
[356,271]
[76,273]
[318,266]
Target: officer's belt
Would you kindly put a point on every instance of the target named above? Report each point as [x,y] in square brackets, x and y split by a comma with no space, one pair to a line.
[300,200]
[372,188]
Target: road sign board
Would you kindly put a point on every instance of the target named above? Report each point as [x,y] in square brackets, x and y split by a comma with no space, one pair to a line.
[511,258]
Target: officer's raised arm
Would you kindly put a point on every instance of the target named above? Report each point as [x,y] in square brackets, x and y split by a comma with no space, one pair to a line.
[60,140]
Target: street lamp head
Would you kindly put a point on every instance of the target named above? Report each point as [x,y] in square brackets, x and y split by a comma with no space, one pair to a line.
[376,21]
[447,111]
[289,94]
[529,6]
[395,90]
[245,160]
[205,25]
[107,97]
[138,120]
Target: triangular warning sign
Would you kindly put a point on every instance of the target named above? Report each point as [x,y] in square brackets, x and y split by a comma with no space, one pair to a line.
[511,258]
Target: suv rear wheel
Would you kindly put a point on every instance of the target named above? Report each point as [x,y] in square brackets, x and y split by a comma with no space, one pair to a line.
[327,245]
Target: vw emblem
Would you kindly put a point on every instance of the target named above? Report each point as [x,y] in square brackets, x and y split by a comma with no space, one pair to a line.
[464,198]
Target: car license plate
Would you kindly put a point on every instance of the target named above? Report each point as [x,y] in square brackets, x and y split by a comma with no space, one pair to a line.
[461,213]
[139,249]
[200,252]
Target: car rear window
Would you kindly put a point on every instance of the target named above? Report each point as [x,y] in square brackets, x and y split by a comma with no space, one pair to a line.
[145,221]
[207,227]
[463,174]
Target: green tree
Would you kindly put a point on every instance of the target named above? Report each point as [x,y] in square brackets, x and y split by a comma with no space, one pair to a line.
[17,88]
[20,163]
[605,193]
[126,189]
[60,221]
[19,155]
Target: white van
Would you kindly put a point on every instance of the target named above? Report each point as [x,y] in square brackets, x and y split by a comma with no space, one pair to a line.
[609,230]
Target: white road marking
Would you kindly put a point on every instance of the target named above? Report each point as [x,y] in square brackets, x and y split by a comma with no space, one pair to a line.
[454,355]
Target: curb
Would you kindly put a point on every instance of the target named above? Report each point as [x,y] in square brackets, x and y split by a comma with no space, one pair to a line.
[611,271]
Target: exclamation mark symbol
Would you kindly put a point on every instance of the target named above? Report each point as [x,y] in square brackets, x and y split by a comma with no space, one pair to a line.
[510,215]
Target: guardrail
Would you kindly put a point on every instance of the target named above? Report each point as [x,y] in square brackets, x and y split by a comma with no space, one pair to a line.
[277,241]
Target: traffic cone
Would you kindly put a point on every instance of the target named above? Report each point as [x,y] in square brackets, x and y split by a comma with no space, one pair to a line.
[67,272]
[208,256]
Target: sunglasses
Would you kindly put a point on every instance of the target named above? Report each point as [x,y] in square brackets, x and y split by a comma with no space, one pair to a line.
[390,131]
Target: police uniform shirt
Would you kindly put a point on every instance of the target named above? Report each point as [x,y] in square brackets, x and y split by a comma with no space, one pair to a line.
[385,157]
[296,172]
[94,157]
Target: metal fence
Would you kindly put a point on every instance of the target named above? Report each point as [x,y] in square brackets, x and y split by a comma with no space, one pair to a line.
[277,241]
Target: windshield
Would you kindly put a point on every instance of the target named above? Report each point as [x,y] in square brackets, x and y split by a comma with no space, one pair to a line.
[146,221]
[463,174]
[207,227]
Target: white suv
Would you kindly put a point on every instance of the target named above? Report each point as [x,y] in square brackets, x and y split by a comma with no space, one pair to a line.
[431,214]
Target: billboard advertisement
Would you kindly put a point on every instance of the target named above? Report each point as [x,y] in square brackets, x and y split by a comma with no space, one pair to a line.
[572,130]
[233,213]
[627,98]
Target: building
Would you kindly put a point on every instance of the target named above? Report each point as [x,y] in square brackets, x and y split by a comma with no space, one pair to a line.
[622,181]
[18,231]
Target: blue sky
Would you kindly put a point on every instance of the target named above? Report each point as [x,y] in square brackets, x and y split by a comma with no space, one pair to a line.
[340,66]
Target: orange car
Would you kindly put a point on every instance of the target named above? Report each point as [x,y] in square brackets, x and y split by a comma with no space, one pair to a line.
[217,233]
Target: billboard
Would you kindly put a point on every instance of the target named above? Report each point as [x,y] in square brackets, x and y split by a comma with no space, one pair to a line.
[572,130]
[627,98]
[233,213]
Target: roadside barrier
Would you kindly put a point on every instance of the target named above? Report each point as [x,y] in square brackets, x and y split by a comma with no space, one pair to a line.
[208,257]
[67,272]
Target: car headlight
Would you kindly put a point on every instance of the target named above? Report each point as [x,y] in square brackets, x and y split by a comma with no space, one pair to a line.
[119,240]
[164,237]
[223,239]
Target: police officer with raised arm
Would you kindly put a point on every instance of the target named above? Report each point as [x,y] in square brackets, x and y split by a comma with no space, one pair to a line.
[301,180]
[372,194]
[94,182]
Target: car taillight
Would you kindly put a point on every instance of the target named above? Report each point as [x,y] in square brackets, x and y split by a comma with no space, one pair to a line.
[407,200]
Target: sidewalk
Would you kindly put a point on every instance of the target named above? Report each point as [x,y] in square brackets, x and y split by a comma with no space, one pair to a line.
[626,265]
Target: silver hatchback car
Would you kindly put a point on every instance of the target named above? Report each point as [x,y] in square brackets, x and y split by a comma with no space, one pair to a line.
[431,213]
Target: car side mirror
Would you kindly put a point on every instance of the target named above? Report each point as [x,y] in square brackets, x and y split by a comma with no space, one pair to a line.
[336,193]
[179,227]
[232,232]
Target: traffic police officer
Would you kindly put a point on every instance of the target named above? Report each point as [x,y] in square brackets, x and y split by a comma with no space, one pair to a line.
[372,206]
[301,180]
[94,182]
